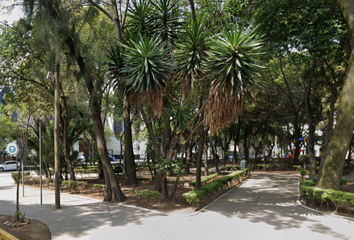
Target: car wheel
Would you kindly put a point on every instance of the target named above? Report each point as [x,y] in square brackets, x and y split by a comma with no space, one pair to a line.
[1,169]
[18,168]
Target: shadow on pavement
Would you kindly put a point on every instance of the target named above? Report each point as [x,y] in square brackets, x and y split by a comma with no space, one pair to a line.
[271,199]
[79,220]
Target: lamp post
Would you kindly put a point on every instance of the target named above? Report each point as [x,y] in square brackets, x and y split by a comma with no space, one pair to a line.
[56,136]
[56,132]
[40,160]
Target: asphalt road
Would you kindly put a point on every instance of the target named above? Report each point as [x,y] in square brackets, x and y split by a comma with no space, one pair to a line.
[264,207]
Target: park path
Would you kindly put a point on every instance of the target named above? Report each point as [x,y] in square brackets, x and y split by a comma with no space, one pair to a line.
[264,207]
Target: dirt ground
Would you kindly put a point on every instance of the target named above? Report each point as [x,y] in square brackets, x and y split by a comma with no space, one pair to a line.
[34,230]
[180,205]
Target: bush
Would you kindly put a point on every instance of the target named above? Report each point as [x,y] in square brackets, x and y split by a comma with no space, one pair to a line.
[303,172]
[14,176]
[229,168]
[309,191]
[71,185]
[205,179]
[304,158]
[195,196]
[145,195]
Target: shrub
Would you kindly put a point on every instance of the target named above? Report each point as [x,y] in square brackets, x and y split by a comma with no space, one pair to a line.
[145,195]
[71,185]
[205,179]
[297,167]
[303,172]
[304,158]
[229,168]
[14,176]
[310,192]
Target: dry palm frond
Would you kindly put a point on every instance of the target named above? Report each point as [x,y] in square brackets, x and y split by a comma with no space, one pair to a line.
[155,100]
[186,87]
[223,108]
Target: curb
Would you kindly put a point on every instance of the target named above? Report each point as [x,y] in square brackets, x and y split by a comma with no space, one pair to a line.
[6,236]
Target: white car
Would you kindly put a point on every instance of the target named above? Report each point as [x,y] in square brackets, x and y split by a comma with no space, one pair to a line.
[9,165]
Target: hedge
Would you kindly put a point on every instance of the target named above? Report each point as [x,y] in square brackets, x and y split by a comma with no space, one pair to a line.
[195,196]
[260,166]
[228,168]
[205,179]
[309,191]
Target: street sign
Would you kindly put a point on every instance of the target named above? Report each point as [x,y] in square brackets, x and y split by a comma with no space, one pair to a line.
[12,148]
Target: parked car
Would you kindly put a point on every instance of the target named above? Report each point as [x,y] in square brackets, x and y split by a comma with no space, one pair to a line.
[9,165]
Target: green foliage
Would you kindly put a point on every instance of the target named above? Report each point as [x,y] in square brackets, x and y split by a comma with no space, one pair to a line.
[297,167]
[87,169]
[17,214]
[180,114]
[205,179]
[304,158]
[195,196]
[230,168]
[99,186]
[14,176]
[343,181]
[309,191]
[72,185]
[303,172]
[191,50]
[233,63]
[169,167]
[145,195]
[146,65]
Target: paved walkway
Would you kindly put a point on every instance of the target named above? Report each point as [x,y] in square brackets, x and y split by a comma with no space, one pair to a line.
[264,207]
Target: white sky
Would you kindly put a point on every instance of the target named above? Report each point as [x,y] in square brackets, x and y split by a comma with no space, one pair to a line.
[15,14]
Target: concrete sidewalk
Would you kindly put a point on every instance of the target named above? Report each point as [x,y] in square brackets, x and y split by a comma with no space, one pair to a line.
[264,207]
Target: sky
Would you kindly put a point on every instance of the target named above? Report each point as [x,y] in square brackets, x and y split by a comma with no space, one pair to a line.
[15,14]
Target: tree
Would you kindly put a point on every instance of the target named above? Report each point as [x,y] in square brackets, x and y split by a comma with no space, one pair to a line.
[343,131]
[304,22]
[58,14]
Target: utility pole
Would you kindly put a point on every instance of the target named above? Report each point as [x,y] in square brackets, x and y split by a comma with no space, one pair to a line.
[56,136]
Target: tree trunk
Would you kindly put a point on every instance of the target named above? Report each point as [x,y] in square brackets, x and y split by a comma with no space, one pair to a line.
[191,3]
[199,157]
[329,128]
[206,166]
[128,143]
[68,163]
[151,133]
[245,143]
[113,191]
[338,146]
[310,120]
[215,156]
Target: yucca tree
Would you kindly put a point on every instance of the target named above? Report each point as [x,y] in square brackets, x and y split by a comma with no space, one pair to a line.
[140,14]
[233,68]
[166,20]
[191,54]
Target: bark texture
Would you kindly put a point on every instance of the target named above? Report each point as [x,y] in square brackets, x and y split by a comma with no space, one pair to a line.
[338,146]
